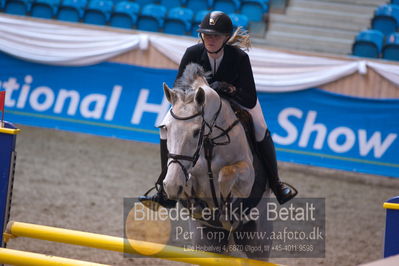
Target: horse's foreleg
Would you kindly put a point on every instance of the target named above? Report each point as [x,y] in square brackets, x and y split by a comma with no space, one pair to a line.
[236,179]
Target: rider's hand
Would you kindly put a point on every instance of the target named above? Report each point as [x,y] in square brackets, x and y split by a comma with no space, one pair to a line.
[224,88]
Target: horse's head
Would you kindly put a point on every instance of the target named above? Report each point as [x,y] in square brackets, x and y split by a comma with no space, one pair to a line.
[184,130]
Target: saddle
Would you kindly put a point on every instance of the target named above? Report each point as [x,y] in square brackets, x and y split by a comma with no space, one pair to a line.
[245,119]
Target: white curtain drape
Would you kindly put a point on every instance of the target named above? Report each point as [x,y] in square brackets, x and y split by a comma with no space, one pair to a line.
[63,45]
[71,46]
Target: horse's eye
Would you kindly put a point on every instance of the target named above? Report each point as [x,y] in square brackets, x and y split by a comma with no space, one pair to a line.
[196,132]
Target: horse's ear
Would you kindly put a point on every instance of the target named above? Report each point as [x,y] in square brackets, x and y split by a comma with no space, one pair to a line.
[170,95]
[200,96]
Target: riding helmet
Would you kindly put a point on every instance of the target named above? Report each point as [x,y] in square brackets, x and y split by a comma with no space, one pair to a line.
[217,23]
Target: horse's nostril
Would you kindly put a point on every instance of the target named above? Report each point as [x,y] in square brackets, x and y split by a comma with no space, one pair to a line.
[180,190]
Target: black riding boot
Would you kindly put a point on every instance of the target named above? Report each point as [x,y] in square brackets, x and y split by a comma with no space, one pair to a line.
[283,191]
[159,198]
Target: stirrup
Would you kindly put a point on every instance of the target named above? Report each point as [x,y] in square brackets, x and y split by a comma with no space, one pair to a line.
[150,204]
[157,200]
[284,198]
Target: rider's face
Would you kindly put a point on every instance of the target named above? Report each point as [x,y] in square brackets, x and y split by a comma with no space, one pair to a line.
[213,42]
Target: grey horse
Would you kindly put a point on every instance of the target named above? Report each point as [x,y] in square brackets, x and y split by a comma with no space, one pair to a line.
[211,169]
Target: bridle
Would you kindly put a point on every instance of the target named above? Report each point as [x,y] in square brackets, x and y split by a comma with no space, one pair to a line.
[194,158]
[204,141]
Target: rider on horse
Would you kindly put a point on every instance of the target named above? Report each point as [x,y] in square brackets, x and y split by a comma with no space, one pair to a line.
[231,76]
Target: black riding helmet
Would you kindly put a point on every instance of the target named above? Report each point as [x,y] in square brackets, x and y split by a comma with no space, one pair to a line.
[216,22]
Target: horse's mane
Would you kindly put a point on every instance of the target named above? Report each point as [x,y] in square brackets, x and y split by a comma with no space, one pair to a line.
[189,76]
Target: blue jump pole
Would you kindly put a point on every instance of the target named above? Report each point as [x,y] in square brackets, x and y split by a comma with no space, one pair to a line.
[391,245]
[8,135]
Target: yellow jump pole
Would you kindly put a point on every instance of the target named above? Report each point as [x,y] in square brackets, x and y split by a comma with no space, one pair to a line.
[15,229]
[17,257]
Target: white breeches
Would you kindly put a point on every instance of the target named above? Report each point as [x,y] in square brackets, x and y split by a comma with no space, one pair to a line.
[260,125]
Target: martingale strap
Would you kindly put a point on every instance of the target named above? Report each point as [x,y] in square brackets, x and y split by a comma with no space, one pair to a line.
[209,144]
[208,150]
[225,132]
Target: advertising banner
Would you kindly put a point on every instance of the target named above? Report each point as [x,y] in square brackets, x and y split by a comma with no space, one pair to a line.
[321,128]
[107,99]
[116,100]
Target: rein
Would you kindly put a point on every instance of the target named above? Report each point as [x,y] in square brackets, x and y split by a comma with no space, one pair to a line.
[206,142]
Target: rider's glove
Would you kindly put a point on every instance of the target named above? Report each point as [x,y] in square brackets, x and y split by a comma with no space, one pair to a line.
[224,88]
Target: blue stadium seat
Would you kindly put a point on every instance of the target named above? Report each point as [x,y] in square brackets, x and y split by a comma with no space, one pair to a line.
[178,21]
[125,15]
[396,12]
[227,6]
[390,50]
[172,3]
[146,2]
[44,8]
[395,2]
[98,12]
[17,7]
[197,20]
[368,43]
[254,9]
[2,4]
[71,10]
[151,17]
[197,5]
[386,19]
[239,20]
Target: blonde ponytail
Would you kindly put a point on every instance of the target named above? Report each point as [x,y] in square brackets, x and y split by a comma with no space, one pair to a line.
[240,38]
